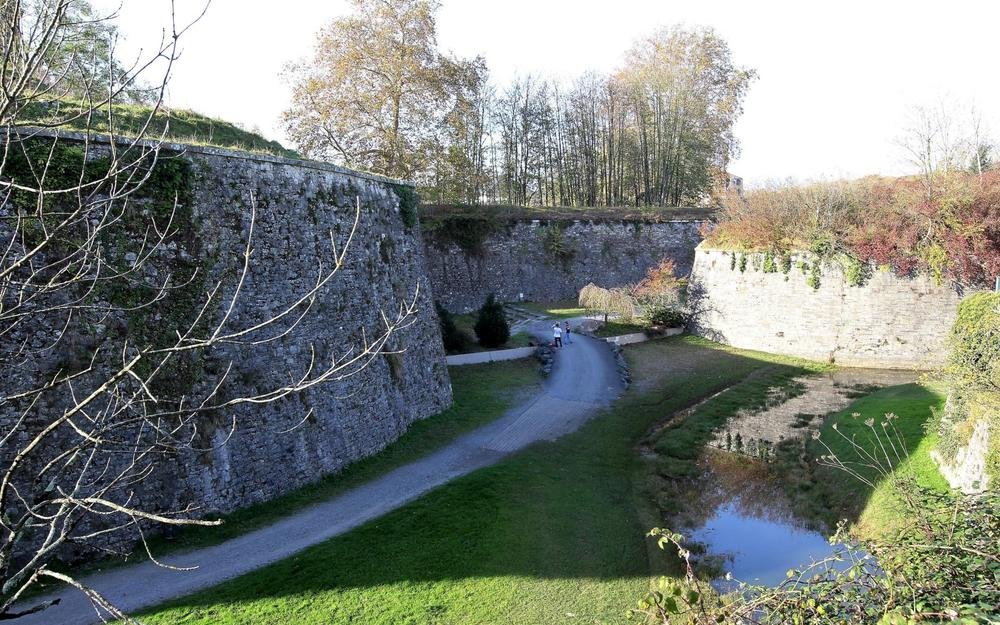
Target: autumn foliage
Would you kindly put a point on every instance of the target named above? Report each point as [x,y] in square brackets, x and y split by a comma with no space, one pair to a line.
[949,229]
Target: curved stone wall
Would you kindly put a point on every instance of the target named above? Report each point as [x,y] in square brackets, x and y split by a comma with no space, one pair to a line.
[301,207]
[887,322]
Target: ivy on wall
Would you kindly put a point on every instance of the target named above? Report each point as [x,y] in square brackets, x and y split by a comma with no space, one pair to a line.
[160,200]
[553,240]
[469,233]
[856,273]
[409,199]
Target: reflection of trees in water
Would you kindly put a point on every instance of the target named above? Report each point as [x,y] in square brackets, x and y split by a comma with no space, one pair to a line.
[749,485]
[793,411]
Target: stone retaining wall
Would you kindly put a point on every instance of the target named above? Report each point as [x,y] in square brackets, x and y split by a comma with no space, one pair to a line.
[539,260]
[300,208]
[887,322]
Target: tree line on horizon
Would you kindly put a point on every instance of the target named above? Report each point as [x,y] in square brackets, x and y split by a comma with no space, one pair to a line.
[379,95]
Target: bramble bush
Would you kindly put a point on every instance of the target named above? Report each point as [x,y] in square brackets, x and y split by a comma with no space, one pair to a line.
[975,342]
[950,231]
[974,369]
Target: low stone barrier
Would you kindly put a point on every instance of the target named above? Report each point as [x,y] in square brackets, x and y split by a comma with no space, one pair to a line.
[496,355]
[642,337]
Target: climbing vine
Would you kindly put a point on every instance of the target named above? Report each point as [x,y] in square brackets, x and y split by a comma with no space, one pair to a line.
[469,233]
[408,202]
[553,239]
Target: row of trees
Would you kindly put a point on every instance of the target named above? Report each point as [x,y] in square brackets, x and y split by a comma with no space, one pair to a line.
[378,95]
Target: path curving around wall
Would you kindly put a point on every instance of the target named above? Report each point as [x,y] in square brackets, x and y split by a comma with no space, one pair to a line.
[583,381]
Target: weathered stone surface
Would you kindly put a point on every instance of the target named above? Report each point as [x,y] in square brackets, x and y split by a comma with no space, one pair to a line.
[888,322]
[255,452]
[298,206]
[516,263]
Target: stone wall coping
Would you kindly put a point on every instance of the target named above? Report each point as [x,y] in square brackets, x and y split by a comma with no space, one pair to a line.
[183,148]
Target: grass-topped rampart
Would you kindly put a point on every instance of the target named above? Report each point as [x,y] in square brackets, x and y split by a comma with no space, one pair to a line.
[174,125]
[946,226]
[432,212]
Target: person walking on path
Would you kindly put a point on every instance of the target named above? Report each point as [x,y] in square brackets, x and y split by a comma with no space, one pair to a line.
[557,334]
[568,332]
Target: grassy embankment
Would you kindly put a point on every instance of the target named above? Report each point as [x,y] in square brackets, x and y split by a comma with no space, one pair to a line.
[553,534]
[433,213]
[566,309]
[819,494]
[876,512]
[482,393]
[562,309]
[175,125]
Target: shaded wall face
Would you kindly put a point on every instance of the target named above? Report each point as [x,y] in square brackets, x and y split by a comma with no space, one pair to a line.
[887,322]
[255,452]
[549,261]
[299,209]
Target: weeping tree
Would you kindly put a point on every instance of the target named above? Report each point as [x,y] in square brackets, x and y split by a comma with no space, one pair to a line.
[617,301]
[97,325]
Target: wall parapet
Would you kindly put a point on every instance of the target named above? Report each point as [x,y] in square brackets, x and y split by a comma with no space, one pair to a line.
[204,150]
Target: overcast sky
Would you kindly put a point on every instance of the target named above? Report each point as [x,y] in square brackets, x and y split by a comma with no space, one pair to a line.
[836,79]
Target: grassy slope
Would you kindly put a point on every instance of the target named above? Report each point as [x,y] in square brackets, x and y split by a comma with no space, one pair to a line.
[552,535]
[184,126]
[482,393]
[877,512]
[563,309]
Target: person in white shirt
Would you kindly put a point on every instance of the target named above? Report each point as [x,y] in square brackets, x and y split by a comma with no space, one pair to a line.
[557,334]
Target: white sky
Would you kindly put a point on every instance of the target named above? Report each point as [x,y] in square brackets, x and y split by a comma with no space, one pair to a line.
[836,79]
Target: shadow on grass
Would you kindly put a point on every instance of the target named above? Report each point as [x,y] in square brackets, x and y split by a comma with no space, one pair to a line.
[566,510]
[831,495]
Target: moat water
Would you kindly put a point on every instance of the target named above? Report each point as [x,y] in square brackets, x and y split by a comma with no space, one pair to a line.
[739,516]
[758,550]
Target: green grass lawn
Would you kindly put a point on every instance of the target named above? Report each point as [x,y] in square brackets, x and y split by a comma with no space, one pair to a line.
[554,534]
[618,328]
[482,393]
[563,309]
[467,323]
[877,511]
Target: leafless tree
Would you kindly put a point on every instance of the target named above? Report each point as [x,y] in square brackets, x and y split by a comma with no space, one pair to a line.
[77,445]
[942,138]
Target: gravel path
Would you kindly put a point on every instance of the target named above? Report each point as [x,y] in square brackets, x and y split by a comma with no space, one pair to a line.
[584,380]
